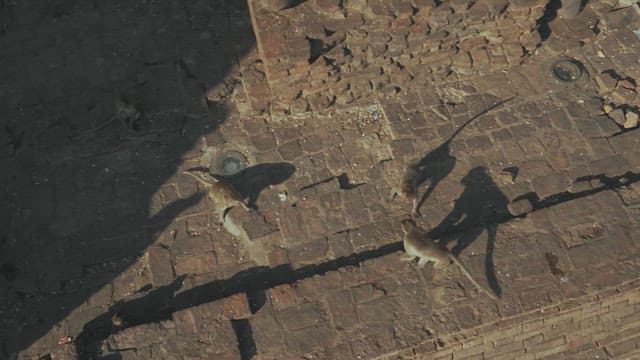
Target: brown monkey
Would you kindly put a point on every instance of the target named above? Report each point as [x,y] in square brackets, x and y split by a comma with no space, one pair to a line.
[223,194]
[127,114]
[409,186]
[434,166]
[417,243]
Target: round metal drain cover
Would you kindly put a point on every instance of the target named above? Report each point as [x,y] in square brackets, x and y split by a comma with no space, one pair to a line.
[567,70]
[230,163]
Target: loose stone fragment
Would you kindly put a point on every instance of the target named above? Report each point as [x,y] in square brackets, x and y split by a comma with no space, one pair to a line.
[617,115]
[631,120]
[520,207]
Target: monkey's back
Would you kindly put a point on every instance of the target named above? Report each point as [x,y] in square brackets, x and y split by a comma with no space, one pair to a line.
[418,243]
[409,186]
[224,193]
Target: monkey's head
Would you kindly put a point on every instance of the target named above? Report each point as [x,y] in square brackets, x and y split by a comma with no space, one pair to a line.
[408,224]
[408,191]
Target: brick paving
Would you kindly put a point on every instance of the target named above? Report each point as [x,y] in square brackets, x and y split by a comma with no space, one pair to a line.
[106,241]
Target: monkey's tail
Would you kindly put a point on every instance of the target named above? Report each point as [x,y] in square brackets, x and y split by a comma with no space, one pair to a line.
[199,177]
[467,273]
[485,111]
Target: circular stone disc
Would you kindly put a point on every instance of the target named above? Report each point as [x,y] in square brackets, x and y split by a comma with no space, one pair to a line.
[230,163]
[567,70]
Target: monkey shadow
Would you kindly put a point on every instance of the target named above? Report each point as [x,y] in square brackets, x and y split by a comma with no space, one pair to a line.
[438,163]
[481,206]
[251,181]
[434,167]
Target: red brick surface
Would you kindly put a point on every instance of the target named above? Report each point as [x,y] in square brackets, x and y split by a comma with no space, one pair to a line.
[108,242]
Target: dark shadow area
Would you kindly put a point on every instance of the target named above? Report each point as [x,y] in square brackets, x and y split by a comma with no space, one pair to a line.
[343,182]
[608,183]
[583,4]
[244,334]
[77,186]
[256,298]
[550,13]
[480,207]
[513,171]
[289,4]
[438,163]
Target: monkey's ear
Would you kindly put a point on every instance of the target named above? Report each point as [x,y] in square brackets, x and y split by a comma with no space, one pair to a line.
[409,221]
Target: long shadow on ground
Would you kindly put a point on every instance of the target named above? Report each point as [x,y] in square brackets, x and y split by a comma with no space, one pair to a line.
[438,163]
[488,214]
[480,206]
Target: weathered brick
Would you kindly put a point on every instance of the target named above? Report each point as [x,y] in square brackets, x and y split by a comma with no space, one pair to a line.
[610,166]
[192,244]
[522,131]
[234,307]
[624,347]
[551,184]
[505,348]
[302,316]
[308,252]
[282,296]
[342,309]
[159,262]
[545,353]
[264,142]
[195,264]
[312,337]
[292,225]
[291,150]
[479,143]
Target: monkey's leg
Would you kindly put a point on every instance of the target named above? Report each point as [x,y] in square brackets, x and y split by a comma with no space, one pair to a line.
[422,262]
[245,206]
[407,257]
[438,264]
[415,211]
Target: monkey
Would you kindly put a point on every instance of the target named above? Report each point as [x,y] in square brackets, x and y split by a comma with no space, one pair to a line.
[409,186]
[418,244]
[223,194]
[127,114]
[434,166]
[117,321]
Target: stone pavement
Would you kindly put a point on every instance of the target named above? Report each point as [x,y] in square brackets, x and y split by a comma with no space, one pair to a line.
[105,241]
